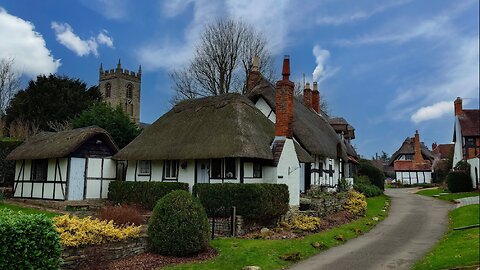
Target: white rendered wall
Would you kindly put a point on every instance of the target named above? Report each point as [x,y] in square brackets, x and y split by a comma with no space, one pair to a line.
[458,150]
[474,166]
[288,171]
[263,106]
[413,177]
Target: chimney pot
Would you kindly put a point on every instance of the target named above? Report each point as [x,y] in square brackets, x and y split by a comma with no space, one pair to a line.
[315,97]
[307,96]
[254,75]
[286,68]
[458,106]
[418,158]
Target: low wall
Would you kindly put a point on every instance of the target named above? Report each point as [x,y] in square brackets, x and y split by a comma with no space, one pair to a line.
[81,257]
[322,205]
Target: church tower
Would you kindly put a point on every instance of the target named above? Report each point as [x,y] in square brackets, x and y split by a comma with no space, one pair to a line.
[121,87]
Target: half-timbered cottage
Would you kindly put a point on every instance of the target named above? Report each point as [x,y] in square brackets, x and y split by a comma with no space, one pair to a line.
[220,139]
[67,165]
[412,162]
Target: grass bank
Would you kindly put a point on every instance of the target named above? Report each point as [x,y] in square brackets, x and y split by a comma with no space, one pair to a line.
[460,248]
[25,210]
[447,197]
[236,253]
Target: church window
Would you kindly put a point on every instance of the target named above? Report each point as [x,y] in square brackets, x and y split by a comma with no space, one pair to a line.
[108,90]
[129,91]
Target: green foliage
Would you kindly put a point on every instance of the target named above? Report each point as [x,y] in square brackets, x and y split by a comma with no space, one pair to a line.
[15,209]
[368,190]
[179,225]
[7,167]
[115,121]
[145,194]
[53,98]
[462,165]
[343,185]
[261,202]
[28,242]
[446,196]
[459,181]
[375,175]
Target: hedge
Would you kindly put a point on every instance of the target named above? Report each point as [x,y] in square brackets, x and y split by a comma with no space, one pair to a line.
[28,242]
[368,190]
[375,175]
[145,194]
[7,167]
[260,202]
[459,181]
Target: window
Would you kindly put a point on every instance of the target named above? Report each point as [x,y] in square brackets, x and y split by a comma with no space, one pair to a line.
[108,89]
[470,142]
[144,167]
[216,168]
[257,170]
[39,170]
[221,168]
[170,169]
[129,91]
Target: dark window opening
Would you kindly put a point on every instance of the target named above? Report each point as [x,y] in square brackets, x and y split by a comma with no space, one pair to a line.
[216,168]
[170,169]
[144,166]
[230,171]
[257,170]
[470,142]
[39,170]
[223,168]
[108,90]
[129,91]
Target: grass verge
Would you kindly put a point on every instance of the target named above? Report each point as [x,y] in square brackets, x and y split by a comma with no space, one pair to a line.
[449,196]
[459,248]
[236,253]
[25,210]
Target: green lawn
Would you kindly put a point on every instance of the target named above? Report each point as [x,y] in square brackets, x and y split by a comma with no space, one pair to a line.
[457,248]
[25,210]
[236,253]
[449,196]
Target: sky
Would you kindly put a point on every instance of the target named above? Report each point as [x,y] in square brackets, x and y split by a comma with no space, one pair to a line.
[388,67]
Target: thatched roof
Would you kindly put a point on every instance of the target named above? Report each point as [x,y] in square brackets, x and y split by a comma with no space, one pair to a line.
[350,150]
[59,144]
[213,127]
[312,131]
[408,148]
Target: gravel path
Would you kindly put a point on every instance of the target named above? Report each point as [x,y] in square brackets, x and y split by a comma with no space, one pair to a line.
[412,227]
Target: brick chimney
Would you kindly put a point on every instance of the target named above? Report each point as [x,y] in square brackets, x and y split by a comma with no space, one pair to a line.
[434,145]
[458,106]
[284,102]
[315,97]
[307,96]
[254,75]
[418,158]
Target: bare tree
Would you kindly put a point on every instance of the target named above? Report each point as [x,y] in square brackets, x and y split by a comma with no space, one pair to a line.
[222,61]
[9,83]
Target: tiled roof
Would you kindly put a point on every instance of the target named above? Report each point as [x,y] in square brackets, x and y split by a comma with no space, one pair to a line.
[443,150]
[409,165]
[470,122]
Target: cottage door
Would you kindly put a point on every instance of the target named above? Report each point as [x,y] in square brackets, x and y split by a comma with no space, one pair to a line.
[203,171]
[76,183]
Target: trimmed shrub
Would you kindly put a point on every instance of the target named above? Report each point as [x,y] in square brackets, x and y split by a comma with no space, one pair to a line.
[367,189]
[459,181]
[303,223]
[28,242]
[75,231]
[356,203]
[259,202]
[375,175]
[179,225]
[122,214]
[145,194]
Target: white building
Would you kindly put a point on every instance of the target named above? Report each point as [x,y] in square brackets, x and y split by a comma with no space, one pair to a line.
[67,165]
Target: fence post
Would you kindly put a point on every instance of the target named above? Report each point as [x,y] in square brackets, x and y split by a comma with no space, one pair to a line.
[233,222]
[213,227]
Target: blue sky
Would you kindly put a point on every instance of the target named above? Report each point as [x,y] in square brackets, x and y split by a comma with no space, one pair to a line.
[388,67]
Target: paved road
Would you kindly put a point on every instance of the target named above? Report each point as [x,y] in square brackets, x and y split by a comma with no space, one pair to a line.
[413,226]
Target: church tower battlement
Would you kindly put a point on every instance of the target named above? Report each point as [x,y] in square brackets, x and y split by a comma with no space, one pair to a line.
[121,87]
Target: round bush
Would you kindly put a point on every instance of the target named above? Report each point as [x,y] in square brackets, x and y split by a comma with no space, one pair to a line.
[179,225]
[459,181]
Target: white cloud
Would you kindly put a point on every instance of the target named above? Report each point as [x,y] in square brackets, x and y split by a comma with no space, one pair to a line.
[26,46]
[110,9]
[434,111]
[65,35]
[321,56]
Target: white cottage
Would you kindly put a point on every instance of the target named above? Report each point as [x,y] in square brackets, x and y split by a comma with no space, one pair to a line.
[68,165]
[221,139]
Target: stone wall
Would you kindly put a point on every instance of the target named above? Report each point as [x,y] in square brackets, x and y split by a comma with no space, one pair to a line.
[223,226]
[322,204]
[82,257]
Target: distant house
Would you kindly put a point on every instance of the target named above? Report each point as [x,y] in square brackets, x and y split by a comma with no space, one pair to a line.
[412,162]
[68,165]
[311,130]
[221,139]
[466,136]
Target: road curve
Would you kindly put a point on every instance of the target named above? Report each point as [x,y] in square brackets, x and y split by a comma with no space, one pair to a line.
[412,227]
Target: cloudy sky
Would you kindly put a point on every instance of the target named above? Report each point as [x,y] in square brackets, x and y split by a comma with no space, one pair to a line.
[388,67]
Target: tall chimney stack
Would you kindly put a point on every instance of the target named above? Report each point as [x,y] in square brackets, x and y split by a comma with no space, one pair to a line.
[254,75]
[284,102]
[315,97]
[458,106]
[307,96]
[418,158]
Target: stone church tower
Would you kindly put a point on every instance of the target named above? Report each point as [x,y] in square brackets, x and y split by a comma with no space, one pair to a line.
[121,87]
